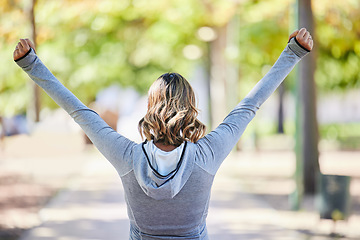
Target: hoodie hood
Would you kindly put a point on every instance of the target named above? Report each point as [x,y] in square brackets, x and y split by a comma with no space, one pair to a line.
[161,187]
[164,162]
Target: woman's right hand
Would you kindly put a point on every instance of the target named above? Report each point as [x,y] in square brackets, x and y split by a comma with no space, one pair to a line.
[22,48]
[304,38]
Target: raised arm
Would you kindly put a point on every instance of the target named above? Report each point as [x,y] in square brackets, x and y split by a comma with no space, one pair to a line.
[216,145]
[115,147]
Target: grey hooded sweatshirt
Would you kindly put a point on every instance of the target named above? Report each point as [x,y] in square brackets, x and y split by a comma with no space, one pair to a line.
[174,206]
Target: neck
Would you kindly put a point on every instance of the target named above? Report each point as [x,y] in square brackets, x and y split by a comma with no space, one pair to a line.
[163,147]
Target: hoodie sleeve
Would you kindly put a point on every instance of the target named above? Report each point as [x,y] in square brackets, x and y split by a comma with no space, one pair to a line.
[115,147]
[215,146]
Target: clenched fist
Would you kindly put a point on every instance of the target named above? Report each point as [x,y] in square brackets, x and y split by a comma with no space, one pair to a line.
[22,48]
[304,38]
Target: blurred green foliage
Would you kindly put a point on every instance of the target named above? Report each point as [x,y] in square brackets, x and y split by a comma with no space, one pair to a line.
[338,38]
[89,45]
[345,135]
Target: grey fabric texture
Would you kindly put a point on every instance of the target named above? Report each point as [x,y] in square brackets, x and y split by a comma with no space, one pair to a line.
[299,51]
[173,206]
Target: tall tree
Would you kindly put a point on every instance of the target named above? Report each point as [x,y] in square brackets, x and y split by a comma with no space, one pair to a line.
[35,108]
[307,95]
[218,76]
[281,91]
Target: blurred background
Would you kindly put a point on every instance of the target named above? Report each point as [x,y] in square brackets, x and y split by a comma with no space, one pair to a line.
[299,159]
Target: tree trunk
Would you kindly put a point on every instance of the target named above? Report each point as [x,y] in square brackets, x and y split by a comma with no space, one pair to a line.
[281,92]
[307,95]
[218,77]
[36,88]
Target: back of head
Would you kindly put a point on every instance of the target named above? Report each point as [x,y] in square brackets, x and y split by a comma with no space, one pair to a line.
[171,117]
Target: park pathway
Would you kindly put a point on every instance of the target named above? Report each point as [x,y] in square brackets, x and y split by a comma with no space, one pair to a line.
[92,207]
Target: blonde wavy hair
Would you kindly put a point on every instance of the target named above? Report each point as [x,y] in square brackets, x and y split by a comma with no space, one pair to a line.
[171,117]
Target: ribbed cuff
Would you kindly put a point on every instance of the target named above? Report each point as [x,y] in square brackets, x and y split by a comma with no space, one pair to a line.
[296,47]
[27,59]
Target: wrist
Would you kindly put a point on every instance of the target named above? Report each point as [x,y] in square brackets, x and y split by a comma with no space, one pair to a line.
[27,59]
[297,48]
[23,56]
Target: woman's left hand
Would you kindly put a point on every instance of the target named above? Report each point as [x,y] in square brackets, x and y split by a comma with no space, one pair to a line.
[22,48]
